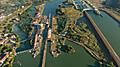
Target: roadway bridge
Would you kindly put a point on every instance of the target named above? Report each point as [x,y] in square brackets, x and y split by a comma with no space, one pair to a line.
[107,45]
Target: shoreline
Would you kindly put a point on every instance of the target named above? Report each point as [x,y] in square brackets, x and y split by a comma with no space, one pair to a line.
[107,45]
[111,14]
[92,53]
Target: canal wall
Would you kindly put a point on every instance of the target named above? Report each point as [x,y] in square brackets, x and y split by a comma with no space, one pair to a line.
[107,45]
[44,55]
[111,15]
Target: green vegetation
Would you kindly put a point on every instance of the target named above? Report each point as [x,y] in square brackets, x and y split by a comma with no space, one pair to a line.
[9,60]
[62,22]
[67,48]
[21,13]
[82,35]
[9,40]
[67,16]
[79,33]
[26,20]
[6,27]
[69,12]
[9,47]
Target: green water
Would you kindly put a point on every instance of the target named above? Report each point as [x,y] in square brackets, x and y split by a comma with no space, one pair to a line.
[110,29]
[51,6]
[26,60]
[80,59]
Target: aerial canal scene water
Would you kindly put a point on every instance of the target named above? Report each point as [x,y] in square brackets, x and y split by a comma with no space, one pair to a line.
[59,33]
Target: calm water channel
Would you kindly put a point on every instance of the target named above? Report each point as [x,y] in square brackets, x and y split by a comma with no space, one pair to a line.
[110,29]
[81,58]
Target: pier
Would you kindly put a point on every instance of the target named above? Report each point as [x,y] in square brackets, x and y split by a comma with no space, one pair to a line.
[111,51]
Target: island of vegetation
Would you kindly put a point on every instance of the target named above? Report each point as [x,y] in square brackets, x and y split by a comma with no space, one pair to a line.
[27,25]
[71,26]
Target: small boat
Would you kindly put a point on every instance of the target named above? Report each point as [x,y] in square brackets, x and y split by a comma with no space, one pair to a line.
[101,15]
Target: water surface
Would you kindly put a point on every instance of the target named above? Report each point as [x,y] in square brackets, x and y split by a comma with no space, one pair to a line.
[110,28]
